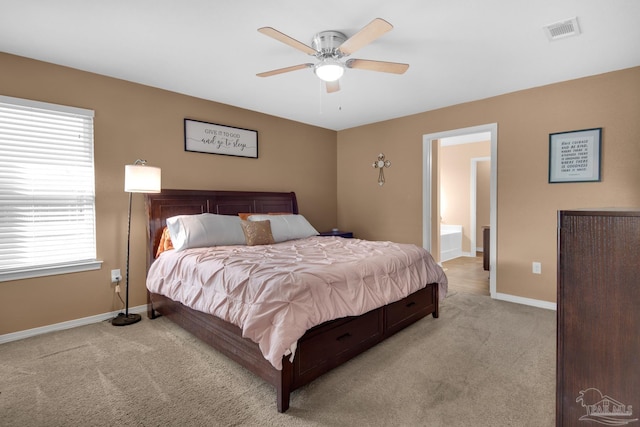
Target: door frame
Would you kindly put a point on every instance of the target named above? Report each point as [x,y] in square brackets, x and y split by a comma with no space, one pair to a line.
[428,171]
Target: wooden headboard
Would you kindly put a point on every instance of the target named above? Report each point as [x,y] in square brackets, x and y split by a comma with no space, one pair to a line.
[169,203]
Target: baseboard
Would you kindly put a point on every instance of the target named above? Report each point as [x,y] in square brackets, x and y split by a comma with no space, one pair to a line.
[526,301]
[15,336]
[450,256]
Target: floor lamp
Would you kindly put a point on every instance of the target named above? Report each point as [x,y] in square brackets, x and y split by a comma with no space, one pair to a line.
[138,178]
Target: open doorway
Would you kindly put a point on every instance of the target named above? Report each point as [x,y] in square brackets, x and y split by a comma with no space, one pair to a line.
[464,168]
[432,197]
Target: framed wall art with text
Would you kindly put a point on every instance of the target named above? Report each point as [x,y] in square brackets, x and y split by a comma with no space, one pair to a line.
[575,156]
[203,137]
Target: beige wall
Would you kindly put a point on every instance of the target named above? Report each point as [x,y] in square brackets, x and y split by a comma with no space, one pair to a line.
[134,121]
[330,172]
[527,203]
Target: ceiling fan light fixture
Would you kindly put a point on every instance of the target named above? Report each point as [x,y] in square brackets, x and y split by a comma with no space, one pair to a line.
[329,70]
[330,47]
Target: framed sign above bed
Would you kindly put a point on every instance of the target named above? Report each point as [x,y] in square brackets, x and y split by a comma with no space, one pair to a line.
[203,137]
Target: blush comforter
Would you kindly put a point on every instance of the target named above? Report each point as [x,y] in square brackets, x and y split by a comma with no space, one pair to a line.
[275,293]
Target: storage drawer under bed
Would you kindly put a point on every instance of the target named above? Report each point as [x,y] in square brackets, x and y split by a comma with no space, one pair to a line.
[342,339]
[406,311]
[329,345]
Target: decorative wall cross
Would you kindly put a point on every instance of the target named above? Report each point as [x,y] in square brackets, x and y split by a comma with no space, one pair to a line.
[381,163]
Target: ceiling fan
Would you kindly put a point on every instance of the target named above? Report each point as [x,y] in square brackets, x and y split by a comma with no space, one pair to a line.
[330,47]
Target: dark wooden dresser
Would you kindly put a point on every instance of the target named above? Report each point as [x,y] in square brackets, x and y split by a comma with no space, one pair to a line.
[598,335]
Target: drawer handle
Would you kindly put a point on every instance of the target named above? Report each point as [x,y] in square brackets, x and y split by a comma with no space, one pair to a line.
[343,337]
[411,304]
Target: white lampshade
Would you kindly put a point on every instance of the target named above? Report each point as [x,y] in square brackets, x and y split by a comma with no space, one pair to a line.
[142,179]
[329,70]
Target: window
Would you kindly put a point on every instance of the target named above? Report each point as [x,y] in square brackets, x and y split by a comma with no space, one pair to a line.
[47,189]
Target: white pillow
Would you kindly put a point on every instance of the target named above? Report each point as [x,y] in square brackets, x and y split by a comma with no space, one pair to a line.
[196,231]
[287,227]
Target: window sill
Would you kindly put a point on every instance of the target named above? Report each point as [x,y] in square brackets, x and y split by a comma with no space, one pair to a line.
[51,270]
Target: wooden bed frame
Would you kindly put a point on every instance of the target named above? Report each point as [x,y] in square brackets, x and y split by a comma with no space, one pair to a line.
[322,348]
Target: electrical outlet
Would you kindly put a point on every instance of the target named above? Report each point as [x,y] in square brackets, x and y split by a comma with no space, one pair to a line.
[536,267]
[116,276]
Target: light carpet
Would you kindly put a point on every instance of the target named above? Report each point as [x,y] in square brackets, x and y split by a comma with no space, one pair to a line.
[481,363]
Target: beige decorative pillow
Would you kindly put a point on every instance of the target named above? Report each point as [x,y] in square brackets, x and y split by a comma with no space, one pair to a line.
[287,227]
[257,232]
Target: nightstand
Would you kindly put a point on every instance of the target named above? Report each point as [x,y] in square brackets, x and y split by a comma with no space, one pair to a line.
[345,234]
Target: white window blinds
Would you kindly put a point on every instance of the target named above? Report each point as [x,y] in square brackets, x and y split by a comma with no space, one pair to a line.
[47,189]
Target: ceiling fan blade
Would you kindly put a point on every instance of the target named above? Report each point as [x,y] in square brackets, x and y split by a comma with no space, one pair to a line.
[333,86]
[382,66]
[284,70]
[366,35]
[281,37]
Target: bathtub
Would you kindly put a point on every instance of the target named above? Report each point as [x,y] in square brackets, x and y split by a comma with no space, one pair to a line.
[450,242]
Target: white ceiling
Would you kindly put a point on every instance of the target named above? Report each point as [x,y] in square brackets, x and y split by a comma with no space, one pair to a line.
[458,50]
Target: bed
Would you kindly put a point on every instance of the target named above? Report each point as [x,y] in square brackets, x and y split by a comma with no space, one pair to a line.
[323,346]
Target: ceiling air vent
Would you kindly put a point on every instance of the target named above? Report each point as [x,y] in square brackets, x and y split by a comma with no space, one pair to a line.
[562,29]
